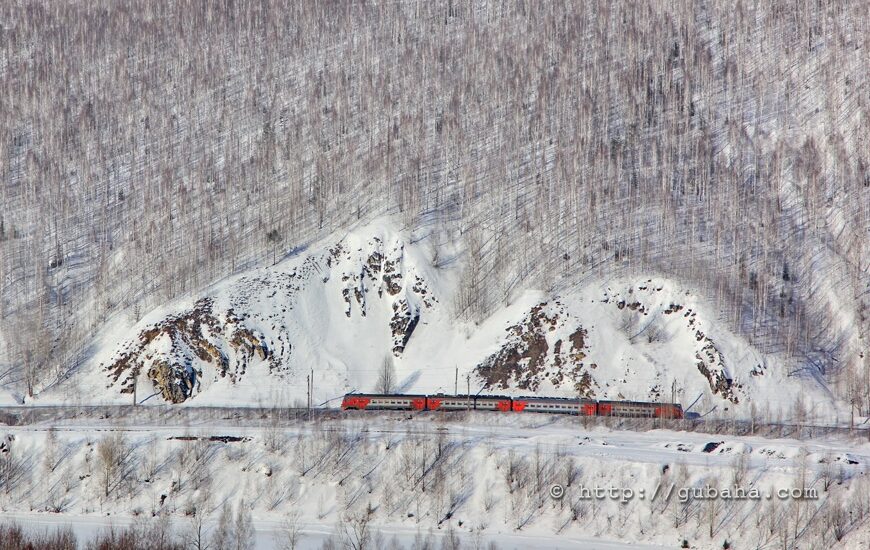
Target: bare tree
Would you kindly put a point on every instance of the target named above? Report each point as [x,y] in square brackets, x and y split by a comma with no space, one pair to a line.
[290,535]
[739,467]
[386,376]
[712,508]
[451,541]
[355,529]
[195,537]
[244,528]
[50,457]
[113,453]
[223,537]
[274,438]
[14,466]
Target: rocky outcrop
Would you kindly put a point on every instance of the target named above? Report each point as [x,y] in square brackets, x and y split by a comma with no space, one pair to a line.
[383,271]
[551,347]
[191,336]
[709,360]
[527,359]
[249,322]
[174,382]
[402,324]
[711,364]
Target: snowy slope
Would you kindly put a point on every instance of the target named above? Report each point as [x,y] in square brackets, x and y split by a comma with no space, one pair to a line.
[341,307]
[486,477]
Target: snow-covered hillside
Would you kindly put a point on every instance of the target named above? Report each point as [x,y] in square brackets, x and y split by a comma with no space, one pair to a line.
[342,307]
[478,476]
[721,146]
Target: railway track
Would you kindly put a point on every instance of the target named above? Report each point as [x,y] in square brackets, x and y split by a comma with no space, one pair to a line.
[253,417]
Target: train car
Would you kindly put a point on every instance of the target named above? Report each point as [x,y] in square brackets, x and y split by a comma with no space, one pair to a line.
[383,402]
[669,410]
[637,409]
[500,403]
[442,402]
[626,409]
[555,405]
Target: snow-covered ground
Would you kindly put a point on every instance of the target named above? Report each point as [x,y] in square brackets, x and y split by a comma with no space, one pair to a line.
[486,477]
[269,534]
[338,309]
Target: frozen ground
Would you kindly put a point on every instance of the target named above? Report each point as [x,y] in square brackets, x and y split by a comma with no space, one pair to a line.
[268,534]
[484,476]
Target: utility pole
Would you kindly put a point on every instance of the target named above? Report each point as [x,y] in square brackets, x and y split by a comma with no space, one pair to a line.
[134,391]
[311,394]
[468,391]
[308,396]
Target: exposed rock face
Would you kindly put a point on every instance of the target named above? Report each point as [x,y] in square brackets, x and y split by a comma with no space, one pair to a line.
[711,365]
[710,361]
[383,272]
[552,347]
[251,320]
[392,278]
[403,323]
[526,359]
[6,443]
[175,383]
[191,335]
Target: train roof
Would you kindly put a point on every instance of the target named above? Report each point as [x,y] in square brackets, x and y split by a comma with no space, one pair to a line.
[502,397]
[623,402]
[433,395]
[560,399]
[392,395]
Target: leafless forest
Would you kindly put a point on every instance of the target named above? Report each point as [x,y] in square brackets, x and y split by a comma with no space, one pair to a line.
[150,148]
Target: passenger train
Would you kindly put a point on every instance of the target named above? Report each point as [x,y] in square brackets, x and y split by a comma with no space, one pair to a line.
[506,404]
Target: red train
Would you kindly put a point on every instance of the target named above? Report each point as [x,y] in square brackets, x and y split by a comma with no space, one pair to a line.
[503,403]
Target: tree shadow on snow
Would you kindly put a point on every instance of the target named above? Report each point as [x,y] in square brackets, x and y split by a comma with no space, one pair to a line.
[408,382]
